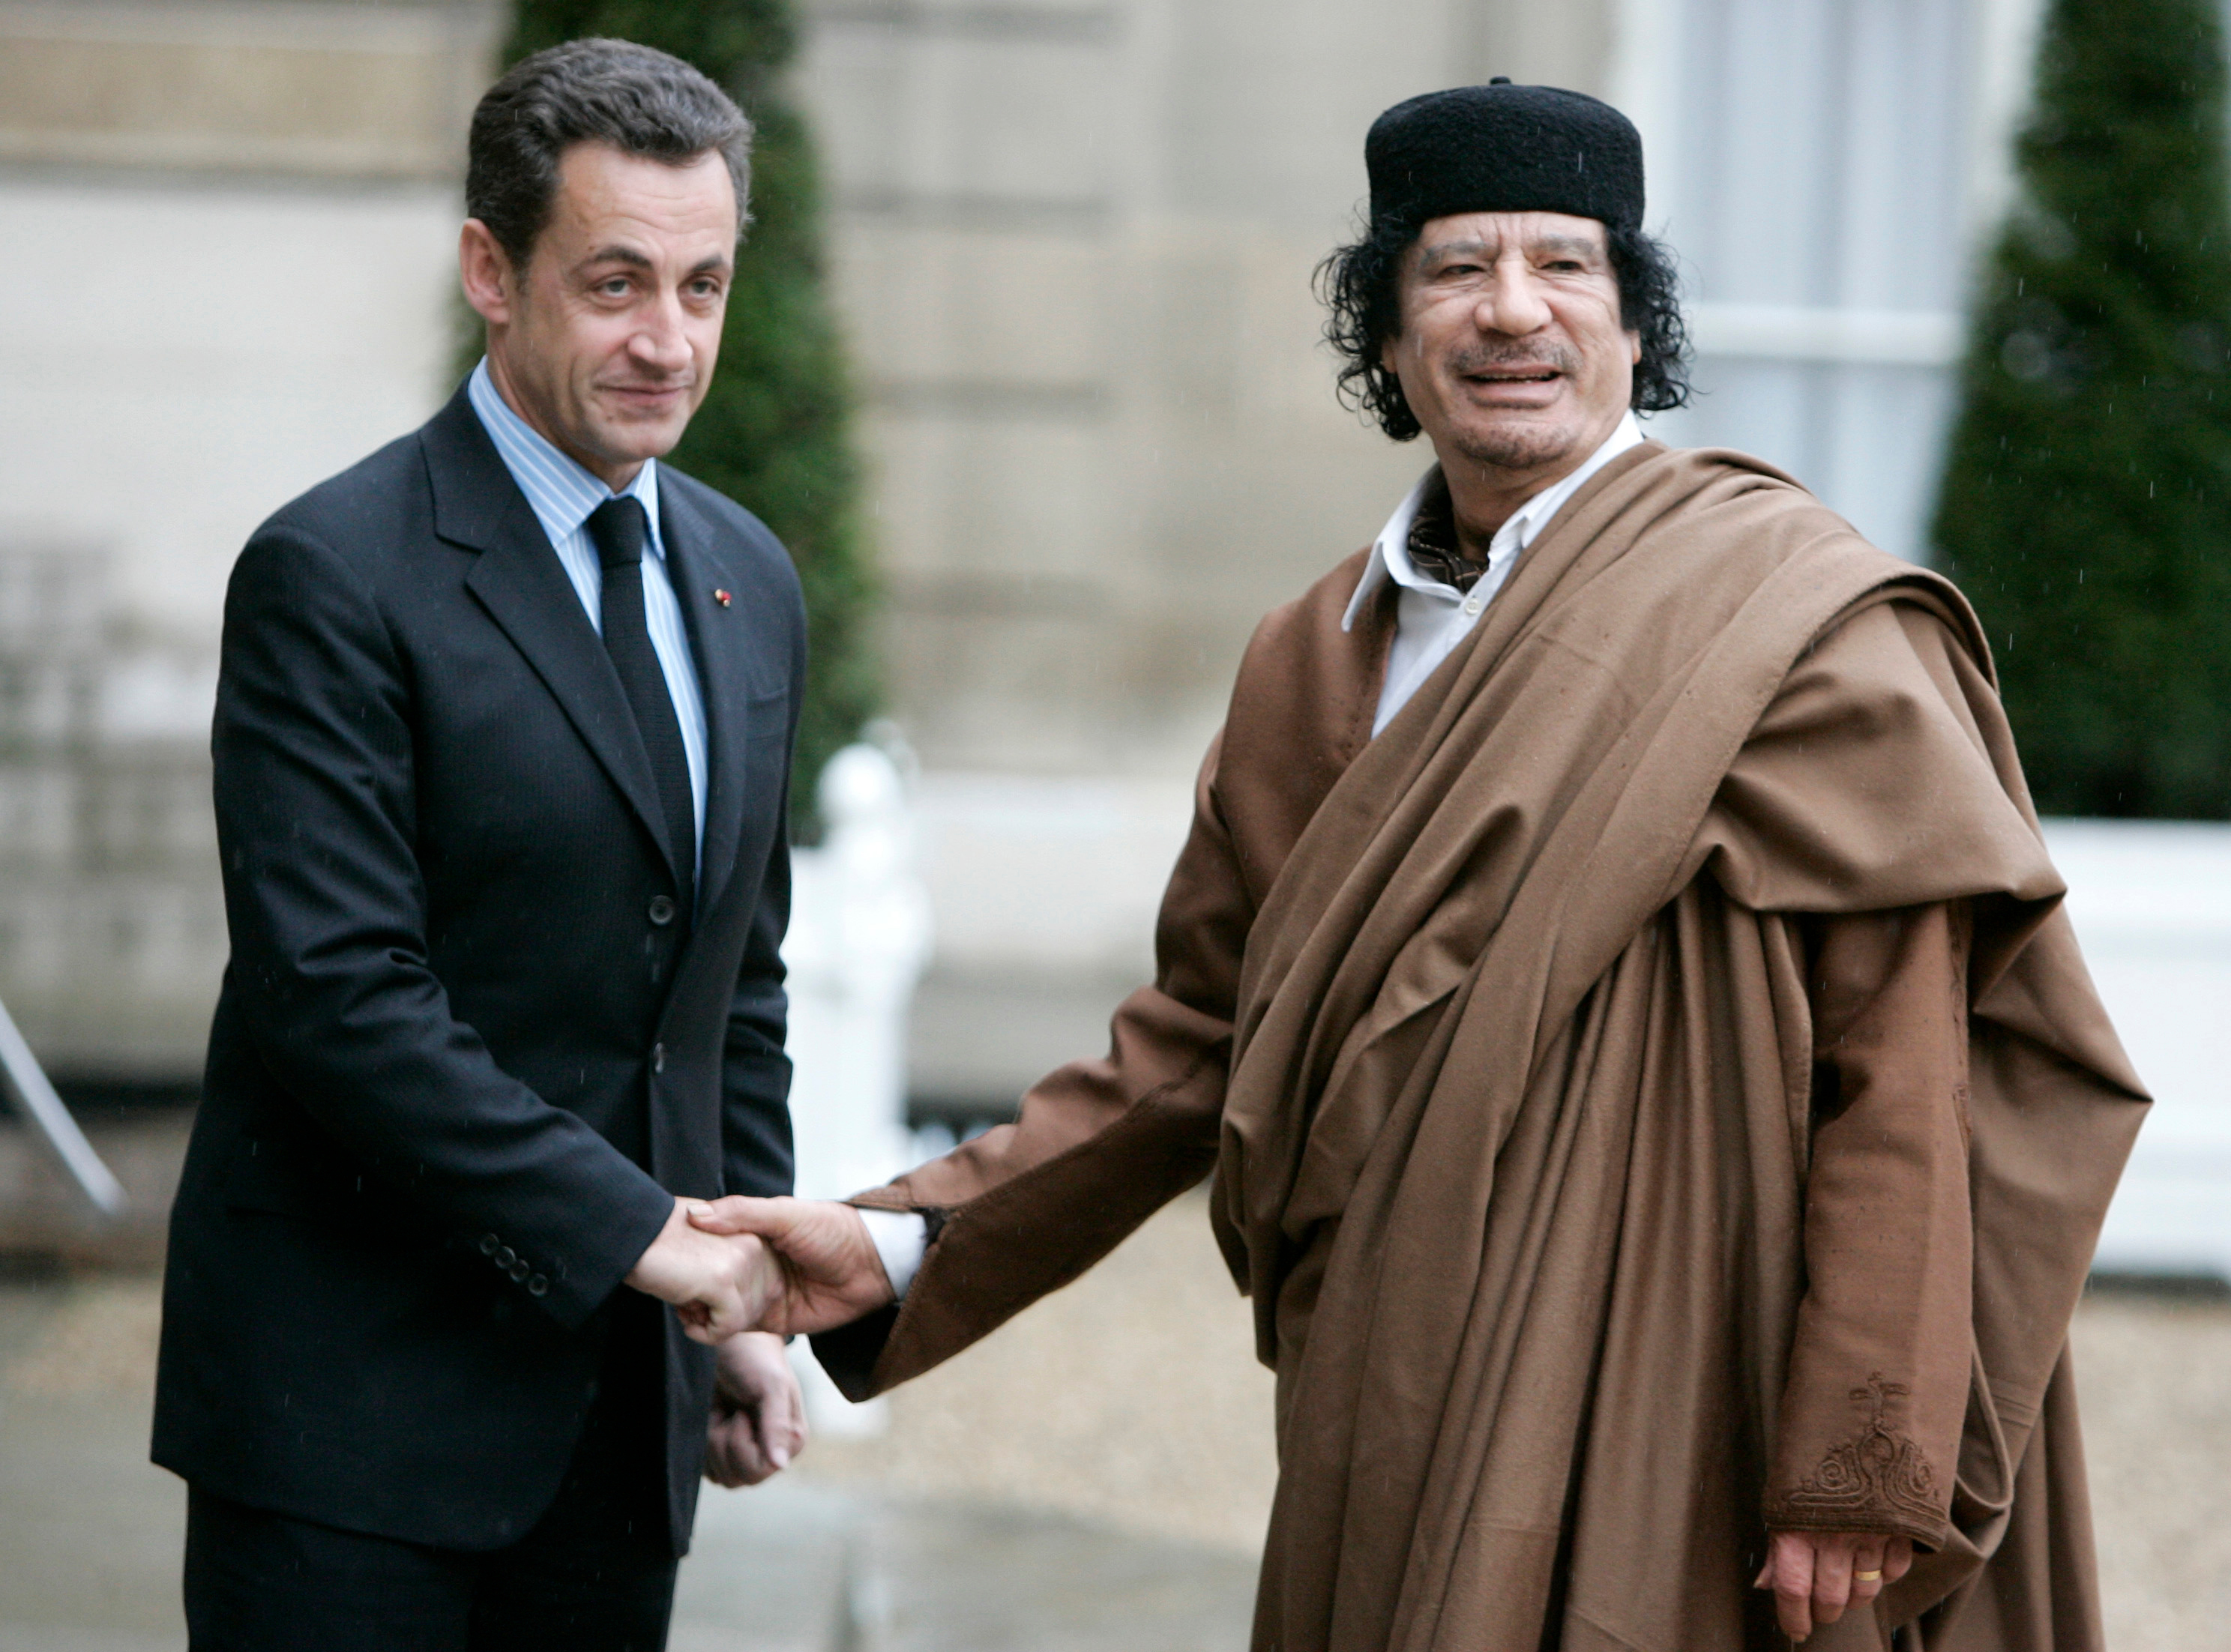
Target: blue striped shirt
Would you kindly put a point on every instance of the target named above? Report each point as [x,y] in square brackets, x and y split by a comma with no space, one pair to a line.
[563,494]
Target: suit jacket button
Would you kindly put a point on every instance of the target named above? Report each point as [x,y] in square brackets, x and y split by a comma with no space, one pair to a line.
[488,1243]
[538,1285]
[661,910]
[519,1271]
[658,1058]
[505,1256]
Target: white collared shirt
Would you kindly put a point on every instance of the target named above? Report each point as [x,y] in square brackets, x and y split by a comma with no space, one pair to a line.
[1430,617]
[563,493]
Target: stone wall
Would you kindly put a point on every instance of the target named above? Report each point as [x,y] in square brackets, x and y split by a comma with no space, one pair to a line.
[348,90]
[111,927]
[1074,240]
[236,222]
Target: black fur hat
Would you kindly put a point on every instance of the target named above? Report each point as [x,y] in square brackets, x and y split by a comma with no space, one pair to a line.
[1504,148]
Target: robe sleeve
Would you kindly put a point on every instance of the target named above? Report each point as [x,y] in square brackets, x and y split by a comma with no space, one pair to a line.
[1866,809]
[1868,1434]
[1098,1147]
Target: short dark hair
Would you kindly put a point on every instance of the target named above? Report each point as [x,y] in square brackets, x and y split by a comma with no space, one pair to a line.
[639,100]
[1361,284]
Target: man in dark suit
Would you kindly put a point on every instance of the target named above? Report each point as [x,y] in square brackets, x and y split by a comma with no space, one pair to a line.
[503,729]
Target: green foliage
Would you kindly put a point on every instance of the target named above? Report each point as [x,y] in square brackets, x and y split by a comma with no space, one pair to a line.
[774,433]
[2087,502]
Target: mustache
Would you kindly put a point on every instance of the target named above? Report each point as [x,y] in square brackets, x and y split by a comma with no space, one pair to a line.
[1548,355]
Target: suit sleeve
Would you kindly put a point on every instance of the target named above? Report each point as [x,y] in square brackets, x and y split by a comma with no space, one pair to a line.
[1098,1146]
[316,825]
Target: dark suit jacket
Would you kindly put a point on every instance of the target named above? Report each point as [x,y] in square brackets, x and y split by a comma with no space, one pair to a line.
[460,1066]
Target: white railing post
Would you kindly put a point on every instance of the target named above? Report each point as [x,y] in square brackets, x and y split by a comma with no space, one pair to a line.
[859,937]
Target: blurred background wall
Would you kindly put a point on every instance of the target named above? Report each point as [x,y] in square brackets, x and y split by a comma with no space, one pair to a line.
[230,224]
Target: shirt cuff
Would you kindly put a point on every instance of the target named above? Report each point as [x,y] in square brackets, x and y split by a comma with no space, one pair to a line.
[901,1237]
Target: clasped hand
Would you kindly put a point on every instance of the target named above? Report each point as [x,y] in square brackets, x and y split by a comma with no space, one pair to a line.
[828,1271]
[786,1266]
[724,1283]
[719,1286]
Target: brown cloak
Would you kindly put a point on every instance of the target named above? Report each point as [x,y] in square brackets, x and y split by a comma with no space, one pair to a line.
[1659,1095]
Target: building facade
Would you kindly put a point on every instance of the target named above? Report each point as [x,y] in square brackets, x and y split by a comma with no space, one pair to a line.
[233,224]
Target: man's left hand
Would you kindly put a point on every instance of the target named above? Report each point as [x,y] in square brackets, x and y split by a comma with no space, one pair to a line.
[759,1415]
[1815,1575]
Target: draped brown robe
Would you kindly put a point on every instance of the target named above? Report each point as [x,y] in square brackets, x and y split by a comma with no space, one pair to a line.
[1653,1092]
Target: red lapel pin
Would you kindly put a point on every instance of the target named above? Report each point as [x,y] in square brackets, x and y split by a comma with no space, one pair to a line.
[723,598]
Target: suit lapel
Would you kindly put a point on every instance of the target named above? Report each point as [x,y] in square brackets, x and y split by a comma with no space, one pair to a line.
[718,643]
[519,580]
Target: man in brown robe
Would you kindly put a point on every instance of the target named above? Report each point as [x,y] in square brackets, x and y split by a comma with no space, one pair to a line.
[1655,1100]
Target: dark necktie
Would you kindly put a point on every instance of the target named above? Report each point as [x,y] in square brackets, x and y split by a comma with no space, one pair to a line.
[620,530]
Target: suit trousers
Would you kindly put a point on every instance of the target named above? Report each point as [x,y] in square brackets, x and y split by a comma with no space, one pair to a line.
[594,1574]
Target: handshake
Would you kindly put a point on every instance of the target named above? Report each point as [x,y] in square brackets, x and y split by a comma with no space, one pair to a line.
[785,1266]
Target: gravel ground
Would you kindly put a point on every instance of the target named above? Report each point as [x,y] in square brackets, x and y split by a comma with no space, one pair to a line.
[1132,1397]
[1132,1402]
[2154,1378]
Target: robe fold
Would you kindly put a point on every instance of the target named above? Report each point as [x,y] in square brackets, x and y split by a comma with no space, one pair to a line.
[1654,1094]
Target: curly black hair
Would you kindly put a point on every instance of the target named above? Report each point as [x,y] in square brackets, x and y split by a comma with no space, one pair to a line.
[1359,284]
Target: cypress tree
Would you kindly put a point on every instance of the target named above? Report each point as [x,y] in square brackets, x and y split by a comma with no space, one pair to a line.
[2086,500]
[773,432]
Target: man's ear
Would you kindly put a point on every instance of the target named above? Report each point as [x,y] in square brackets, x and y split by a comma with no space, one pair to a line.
[484,270]
[1633,348]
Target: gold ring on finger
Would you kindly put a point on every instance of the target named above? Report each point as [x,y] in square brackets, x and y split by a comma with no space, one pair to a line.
[1866,1577]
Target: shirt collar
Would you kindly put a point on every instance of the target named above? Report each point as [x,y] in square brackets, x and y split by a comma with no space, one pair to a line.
[1390,552]
[562,490]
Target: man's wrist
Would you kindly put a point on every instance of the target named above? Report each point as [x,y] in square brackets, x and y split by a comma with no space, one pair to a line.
[653,1268]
